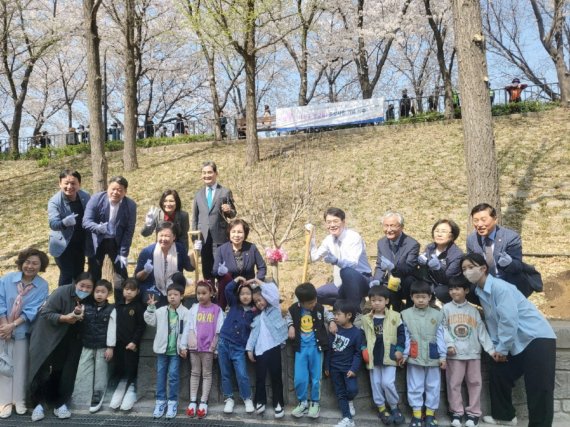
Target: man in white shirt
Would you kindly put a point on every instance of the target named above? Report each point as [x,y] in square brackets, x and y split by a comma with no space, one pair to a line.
[345,250]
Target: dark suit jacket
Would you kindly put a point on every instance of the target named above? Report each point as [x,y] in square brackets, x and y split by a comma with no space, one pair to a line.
[60,235]
[405,258]
[97,212]
[147,253]
[251,259]
[212,221]
[506,240]
[181,221]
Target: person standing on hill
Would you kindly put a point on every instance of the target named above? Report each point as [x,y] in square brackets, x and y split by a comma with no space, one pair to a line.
[213,207]
[515,90]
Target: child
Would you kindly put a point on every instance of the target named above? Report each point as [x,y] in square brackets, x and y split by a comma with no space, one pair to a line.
[169,322]
[307,322]
[425,353]
[465,333]
[200,337]
[233,338]
[98,338]
[343,359]
[385,340]
[268,334]
[129,331]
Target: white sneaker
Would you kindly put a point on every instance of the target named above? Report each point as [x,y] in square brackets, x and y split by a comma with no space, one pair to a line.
[259,408]
[129,399]
[21,408]
[345,422]
[488,419]
[172,409]
[279,411]
[118,395]
[229,406]
[249,408]
[6,411]
[62,412]
[351,408]
[38,413]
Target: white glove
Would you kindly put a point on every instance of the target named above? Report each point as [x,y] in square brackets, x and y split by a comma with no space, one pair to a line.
[198,245]
[148,267]
[102,228]
[122,260]
[150,216]
[386,264]
[504,259]
[222,269]
[422,259]
[309,227]
[374,283]
[69,220]
[330,259]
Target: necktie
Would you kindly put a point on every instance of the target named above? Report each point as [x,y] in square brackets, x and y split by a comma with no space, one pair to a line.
[489,254]
[209,197]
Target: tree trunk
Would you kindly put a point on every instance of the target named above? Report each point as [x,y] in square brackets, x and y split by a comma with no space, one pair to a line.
[130,162]
[214,93]
[252,143]
[479,142]
[96,130]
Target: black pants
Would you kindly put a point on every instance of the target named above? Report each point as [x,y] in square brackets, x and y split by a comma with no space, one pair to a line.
[107,247]
[71,263]
[537,363]
[126,363]
[269,361]
[207,255]
[54,381]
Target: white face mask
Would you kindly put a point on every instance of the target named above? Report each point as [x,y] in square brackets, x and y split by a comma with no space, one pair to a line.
[474,274]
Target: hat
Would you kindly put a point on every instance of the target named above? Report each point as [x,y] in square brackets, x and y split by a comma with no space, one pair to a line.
[515,80]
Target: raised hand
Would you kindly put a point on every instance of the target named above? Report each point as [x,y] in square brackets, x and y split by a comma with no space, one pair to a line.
[434,263]
[422,259]
[198,245]
[504,259]
[151,300]
[151,216]
[222,269]
[386,264]
[69,220]
[148,267]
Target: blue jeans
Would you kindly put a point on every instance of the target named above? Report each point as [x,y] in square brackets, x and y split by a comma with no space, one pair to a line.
[345,389]
[167,365]
[308,369]
[231,358]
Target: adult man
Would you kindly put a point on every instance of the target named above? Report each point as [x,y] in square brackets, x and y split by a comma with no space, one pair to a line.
[213,205]
[345,250]
[501,247]
[110,216]
[397,259]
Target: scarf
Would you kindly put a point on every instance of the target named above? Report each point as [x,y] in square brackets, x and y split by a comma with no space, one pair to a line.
[164,267]
[18,305]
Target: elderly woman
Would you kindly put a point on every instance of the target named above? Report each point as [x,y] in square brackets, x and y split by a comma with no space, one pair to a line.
[159,261]
[441,258]
[21,295]
[525,345]
[170,211]
[55,347]
[69,243]
[238,257]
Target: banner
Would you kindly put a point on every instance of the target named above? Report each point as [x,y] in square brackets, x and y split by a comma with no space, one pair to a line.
[327,115]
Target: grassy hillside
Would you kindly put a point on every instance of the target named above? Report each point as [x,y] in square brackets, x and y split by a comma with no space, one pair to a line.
[418,170]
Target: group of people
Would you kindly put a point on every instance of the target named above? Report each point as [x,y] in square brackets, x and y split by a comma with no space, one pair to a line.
[237,315]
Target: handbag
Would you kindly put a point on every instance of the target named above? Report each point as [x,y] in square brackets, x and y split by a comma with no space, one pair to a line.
[6,362]
[532,277]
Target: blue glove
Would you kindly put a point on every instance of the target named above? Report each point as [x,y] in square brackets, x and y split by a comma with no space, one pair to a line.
[330,259]
[504,259]
[434,263]
[374,283]
[222,269]
[386,264]
[102,228]
[422,259]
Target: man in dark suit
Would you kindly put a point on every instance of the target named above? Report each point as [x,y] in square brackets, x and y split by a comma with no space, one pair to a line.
[501,247]
[213,206]
[110,216]
[397,259]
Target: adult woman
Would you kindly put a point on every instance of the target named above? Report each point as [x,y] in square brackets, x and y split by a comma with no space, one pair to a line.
[525,344]
[171,211]
[55,347]
[159,261]
[68,242]
[441,257]
[238,257]
[22,293]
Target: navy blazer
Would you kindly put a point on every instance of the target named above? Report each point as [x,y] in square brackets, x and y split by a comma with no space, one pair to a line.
[506,240]
[60,235]
[251,259]
[450,263]
[212,221]
[183,262]
[405,258]
[97,212]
